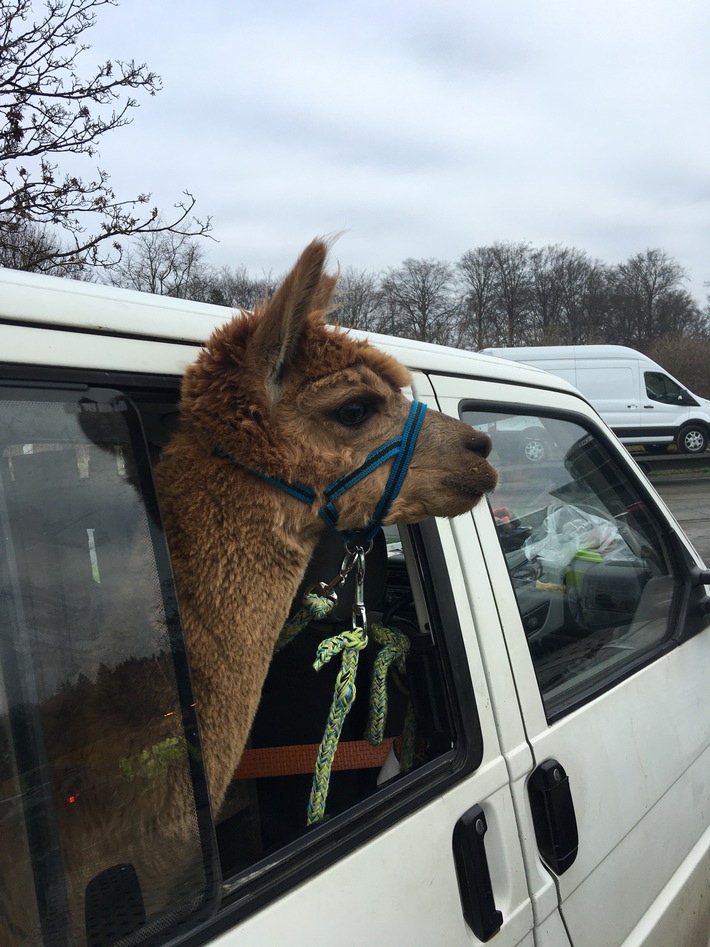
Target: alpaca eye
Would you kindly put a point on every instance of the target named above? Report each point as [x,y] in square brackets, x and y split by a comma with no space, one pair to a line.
[352,413]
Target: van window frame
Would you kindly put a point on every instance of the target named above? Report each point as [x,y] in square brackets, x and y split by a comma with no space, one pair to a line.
[249,890]
[686,616]
[25,387]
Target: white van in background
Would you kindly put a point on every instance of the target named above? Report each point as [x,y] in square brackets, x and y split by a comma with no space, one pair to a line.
[637,398]
[551,715]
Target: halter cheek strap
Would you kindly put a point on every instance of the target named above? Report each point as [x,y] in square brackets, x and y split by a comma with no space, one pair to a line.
[400,448]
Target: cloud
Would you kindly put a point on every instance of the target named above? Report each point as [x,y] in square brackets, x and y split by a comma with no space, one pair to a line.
[423,129]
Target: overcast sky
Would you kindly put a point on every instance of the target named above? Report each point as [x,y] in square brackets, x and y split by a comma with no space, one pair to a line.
[422,128]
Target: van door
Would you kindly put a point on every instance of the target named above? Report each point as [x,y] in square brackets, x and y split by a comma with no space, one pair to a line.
[665,405]
[419,843]
[606,631]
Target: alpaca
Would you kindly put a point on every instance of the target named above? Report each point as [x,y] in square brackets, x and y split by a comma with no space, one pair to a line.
[295,400]
[274,394]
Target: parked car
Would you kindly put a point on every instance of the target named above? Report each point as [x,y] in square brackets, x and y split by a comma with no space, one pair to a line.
[517,437]
[543,777]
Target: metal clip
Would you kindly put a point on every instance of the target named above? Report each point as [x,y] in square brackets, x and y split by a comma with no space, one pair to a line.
[359,613]
[328,589]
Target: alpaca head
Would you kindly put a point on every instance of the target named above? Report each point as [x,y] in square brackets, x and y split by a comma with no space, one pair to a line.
[292,398]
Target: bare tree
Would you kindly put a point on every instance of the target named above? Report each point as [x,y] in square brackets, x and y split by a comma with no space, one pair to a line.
[237,287]
[514,291]
[420,301]
[477,271]
[359,300]
[546,266]
[35,247]
[648,299]
[584,298]
[569,294]
[51,112]
[164,263]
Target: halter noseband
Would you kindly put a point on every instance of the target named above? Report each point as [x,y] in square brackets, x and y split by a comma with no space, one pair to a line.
[400,448]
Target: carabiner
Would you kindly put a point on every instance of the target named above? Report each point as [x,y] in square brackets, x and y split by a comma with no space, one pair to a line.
[359,613]
[327,589]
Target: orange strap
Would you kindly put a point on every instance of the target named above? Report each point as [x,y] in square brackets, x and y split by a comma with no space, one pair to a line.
[301,758]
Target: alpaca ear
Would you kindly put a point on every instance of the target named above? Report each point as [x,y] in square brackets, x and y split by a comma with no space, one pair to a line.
[306,289]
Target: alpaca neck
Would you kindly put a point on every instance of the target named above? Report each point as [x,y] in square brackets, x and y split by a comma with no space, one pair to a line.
[239,551]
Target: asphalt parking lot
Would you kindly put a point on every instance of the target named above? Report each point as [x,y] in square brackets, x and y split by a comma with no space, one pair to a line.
[689,501]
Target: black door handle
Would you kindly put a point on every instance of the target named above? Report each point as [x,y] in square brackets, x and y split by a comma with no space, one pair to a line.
[479,908]
[553,815]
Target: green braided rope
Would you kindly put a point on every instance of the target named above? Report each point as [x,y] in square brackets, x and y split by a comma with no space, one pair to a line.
[350,644]
[395,647]
[313,608]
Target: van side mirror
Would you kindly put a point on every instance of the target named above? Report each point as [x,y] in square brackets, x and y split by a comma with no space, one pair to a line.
[698,579]
[697,606]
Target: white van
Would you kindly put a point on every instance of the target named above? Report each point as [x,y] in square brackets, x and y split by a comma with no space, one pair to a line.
[552,722]
[640,401]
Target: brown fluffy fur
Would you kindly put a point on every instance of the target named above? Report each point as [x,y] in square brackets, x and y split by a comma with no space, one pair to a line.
[265,389]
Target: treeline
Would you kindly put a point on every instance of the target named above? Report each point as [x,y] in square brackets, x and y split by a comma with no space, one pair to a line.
[502,294]
[498,295]
[516,294]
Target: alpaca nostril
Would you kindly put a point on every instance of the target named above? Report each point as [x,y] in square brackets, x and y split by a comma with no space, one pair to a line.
[479,443]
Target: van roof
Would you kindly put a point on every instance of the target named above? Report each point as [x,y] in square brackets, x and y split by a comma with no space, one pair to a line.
[56,302]
[567,351]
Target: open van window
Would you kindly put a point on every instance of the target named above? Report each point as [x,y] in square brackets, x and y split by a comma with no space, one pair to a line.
[95,700]
[589,563]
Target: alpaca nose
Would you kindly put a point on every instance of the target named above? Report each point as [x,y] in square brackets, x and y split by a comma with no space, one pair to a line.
[479,443]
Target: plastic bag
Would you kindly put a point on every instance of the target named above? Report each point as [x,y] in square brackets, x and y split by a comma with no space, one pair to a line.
[569,530]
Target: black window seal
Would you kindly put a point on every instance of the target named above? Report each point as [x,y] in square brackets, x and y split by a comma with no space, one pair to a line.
[79,378]
[105,333]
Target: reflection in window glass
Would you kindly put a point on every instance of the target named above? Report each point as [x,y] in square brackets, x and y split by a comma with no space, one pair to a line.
[96,797]
[586,557]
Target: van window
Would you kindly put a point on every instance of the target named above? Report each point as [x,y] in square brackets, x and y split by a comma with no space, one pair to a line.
[659,387]
[95,706]
[587,558]
[268,802]
[95,700]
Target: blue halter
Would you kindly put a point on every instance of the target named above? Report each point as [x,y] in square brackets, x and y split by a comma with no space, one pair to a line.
[400,448]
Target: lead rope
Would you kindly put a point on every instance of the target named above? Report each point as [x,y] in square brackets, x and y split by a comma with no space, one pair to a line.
[314,608]
[349,644]
[318,602]
[394,651]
